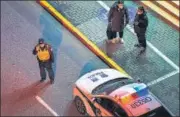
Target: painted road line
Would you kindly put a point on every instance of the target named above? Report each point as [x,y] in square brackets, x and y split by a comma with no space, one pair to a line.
[161,12]
[148,43]
[40,100]
[162,78]
[163,56]
[81,36]
[176,2]
[168,7]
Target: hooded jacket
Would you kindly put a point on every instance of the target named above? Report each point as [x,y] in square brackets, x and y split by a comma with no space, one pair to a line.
[140,23]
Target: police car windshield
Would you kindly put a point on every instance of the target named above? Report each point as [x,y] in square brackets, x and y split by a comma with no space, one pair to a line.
[112,85]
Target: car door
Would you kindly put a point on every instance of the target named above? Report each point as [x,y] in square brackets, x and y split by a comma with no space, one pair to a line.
[104,106]
[107,107]
[118,111]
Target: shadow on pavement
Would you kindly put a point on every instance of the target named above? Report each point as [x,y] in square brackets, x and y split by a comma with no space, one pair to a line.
[110,48]
[22,99]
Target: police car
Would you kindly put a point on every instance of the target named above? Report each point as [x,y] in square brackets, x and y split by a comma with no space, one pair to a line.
[107,92]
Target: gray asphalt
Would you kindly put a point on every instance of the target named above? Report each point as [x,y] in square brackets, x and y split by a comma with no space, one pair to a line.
[22,23]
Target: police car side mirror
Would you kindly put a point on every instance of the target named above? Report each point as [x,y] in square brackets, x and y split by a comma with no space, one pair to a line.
[98,100]
[93,100]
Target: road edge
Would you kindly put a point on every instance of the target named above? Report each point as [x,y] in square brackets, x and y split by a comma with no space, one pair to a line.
[80,36]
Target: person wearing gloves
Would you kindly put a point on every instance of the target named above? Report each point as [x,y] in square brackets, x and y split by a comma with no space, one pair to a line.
[45,59]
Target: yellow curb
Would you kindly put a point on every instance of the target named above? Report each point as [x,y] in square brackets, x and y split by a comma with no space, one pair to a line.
[82,37]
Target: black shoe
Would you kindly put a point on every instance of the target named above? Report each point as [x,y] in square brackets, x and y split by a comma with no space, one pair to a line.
[42,80]
[52,81]
[137,45]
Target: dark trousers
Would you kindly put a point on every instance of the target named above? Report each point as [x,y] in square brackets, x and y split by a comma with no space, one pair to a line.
[110,34]
[142,39]
[46,66]
[113,34]
[121,34]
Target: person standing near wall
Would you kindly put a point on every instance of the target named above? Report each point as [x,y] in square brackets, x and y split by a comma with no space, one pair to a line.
[140,27]
[118,18]
[45,58]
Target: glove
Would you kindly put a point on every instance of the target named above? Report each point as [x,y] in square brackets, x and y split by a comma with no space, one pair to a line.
[34,52]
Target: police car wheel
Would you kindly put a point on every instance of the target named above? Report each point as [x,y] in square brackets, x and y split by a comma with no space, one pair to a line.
[80,106]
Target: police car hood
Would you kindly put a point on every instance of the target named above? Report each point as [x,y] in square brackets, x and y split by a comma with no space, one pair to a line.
[140,100]
[95,78]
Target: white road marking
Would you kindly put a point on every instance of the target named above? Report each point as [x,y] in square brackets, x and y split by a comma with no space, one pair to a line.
[163,56]
[162,78]
[46,105]
[104,5]
[148,43]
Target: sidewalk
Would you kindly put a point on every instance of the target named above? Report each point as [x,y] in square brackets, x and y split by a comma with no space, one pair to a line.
[93,17]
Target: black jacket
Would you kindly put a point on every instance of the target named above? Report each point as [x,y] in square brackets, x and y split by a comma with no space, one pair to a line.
[140,23]
[49,49]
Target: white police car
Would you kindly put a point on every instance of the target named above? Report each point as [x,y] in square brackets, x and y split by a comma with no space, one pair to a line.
[107,92]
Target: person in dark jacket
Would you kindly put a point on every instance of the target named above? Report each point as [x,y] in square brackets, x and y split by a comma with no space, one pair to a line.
[45,58]
[118,18]
[140,27]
